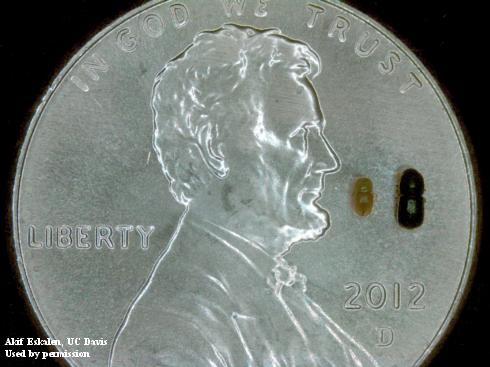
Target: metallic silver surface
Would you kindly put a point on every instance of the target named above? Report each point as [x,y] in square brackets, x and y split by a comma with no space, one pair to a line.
[185,192]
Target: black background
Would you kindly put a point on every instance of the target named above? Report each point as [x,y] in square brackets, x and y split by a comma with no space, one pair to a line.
[38,37]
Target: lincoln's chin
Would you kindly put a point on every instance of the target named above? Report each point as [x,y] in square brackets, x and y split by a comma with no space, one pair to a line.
[317,217]
[316,225]
[320,222]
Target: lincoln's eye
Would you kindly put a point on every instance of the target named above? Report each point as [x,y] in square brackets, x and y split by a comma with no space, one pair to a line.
[299,139]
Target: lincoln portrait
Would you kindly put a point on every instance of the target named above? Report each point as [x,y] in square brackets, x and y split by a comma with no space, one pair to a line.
[239,133]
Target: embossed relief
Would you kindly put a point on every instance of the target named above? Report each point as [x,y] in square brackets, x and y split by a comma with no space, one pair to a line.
[365,45]
[239,135]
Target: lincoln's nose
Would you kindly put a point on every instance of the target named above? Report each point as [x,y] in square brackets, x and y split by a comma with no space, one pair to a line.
[326,159]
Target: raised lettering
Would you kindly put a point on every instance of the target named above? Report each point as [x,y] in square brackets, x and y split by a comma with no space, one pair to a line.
[397,296]
[339,26]
[388,66]
[363,49]
[93,65]
[31,238]
[80,84]
[180,15]
[145,235]
[127,40]
[153,25]
[416,300]
[351,303]
[103,234]
[233,6]
[65,239]
[82,236]
[413,82]
[124,230]
[315,11]
[386,337]
[261,10]
[376,296]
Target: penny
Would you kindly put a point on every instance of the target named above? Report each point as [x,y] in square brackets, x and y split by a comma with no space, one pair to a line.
[231,133]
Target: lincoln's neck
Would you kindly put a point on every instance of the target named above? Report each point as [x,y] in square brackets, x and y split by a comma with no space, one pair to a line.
[245,223]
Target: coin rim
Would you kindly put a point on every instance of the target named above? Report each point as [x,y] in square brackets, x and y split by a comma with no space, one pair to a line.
[463,140]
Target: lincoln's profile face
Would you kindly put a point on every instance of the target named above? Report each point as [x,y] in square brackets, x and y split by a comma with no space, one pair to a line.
[239,133]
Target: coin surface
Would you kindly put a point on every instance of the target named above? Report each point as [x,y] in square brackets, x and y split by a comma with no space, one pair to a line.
[188,179]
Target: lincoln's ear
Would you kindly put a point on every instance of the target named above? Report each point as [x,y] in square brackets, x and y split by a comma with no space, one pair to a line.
[211,150]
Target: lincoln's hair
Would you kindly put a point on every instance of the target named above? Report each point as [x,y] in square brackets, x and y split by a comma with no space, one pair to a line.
[219,75]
